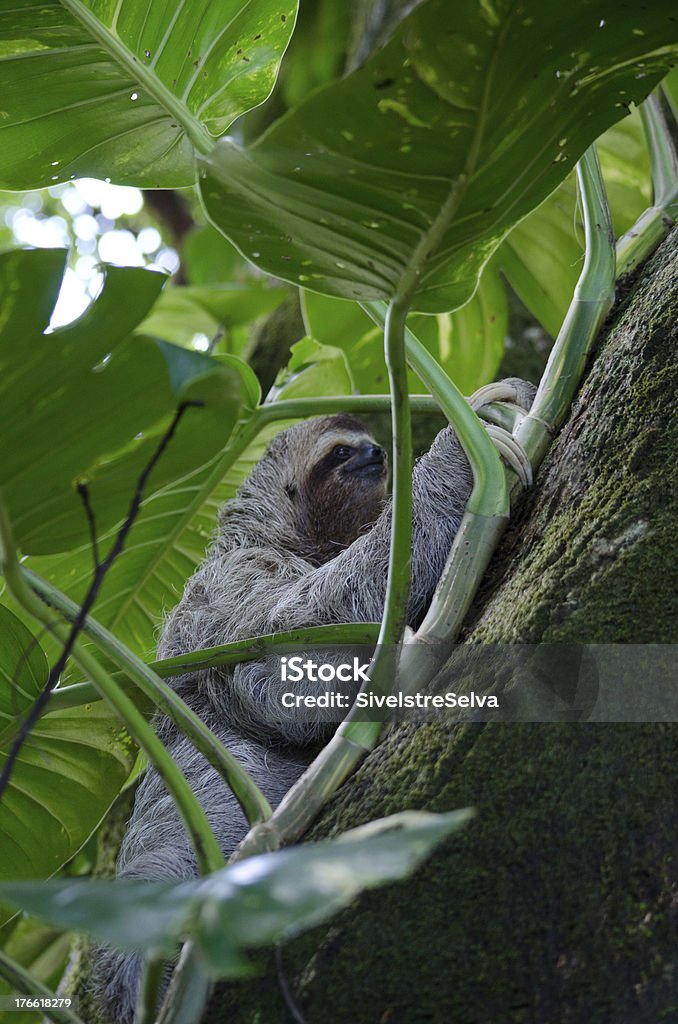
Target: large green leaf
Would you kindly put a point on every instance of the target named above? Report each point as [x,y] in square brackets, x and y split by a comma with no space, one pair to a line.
[90,402]
[444,140]
[126,90]
[70,769]
[253,903]
[468,343]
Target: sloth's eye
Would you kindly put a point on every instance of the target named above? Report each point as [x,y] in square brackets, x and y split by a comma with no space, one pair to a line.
[342,452]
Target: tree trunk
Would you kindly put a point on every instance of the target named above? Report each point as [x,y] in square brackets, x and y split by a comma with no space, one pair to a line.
[558,902]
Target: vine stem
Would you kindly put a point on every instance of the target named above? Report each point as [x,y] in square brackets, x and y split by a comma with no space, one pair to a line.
[655,222]
[483,522]
[251,649]
[490,495]
[398,582]
[592,300]
[208,855]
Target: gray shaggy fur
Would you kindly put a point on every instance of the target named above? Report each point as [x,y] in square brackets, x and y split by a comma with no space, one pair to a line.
[302,544]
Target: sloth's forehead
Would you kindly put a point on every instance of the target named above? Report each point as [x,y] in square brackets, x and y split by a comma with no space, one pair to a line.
[340,421]
[352,437]
[331,438]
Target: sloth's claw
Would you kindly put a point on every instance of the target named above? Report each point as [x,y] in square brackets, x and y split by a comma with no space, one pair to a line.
[511,452]
[513,390]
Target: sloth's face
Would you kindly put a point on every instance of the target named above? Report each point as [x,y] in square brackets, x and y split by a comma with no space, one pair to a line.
[343,487]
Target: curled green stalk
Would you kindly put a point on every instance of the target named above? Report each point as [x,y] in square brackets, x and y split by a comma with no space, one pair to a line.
[654,223]
[251,649]
[208,854]
[394,620]
[592,300]
[302,408]
[486,512]
[398,582]
[490,496]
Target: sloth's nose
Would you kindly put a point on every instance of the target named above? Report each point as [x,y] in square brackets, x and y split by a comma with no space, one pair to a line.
[370,460]
[374,451]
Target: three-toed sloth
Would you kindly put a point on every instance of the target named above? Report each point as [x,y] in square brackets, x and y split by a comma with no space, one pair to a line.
[304,543]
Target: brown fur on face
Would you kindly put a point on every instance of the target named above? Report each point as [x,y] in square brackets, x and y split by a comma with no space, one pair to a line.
[338,495]
[300,499]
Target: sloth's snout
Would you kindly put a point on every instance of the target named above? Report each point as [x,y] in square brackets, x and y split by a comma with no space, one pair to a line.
[370,459]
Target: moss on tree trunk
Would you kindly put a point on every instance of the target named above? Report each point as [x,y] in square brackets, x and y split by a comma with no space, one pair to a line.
[558,902]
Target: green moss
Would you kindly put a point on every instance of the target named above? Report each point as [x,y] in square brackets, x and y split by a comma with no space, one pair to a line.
[586,558]
[553,905]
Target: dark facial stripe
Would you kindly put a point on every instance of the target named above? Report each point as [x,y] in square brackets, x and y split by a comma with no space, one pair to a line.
[323,468]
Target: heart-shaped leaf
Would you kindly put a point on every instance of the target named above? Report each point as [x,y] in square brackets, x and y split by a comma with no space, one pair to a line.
[127,90]
[463,123]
